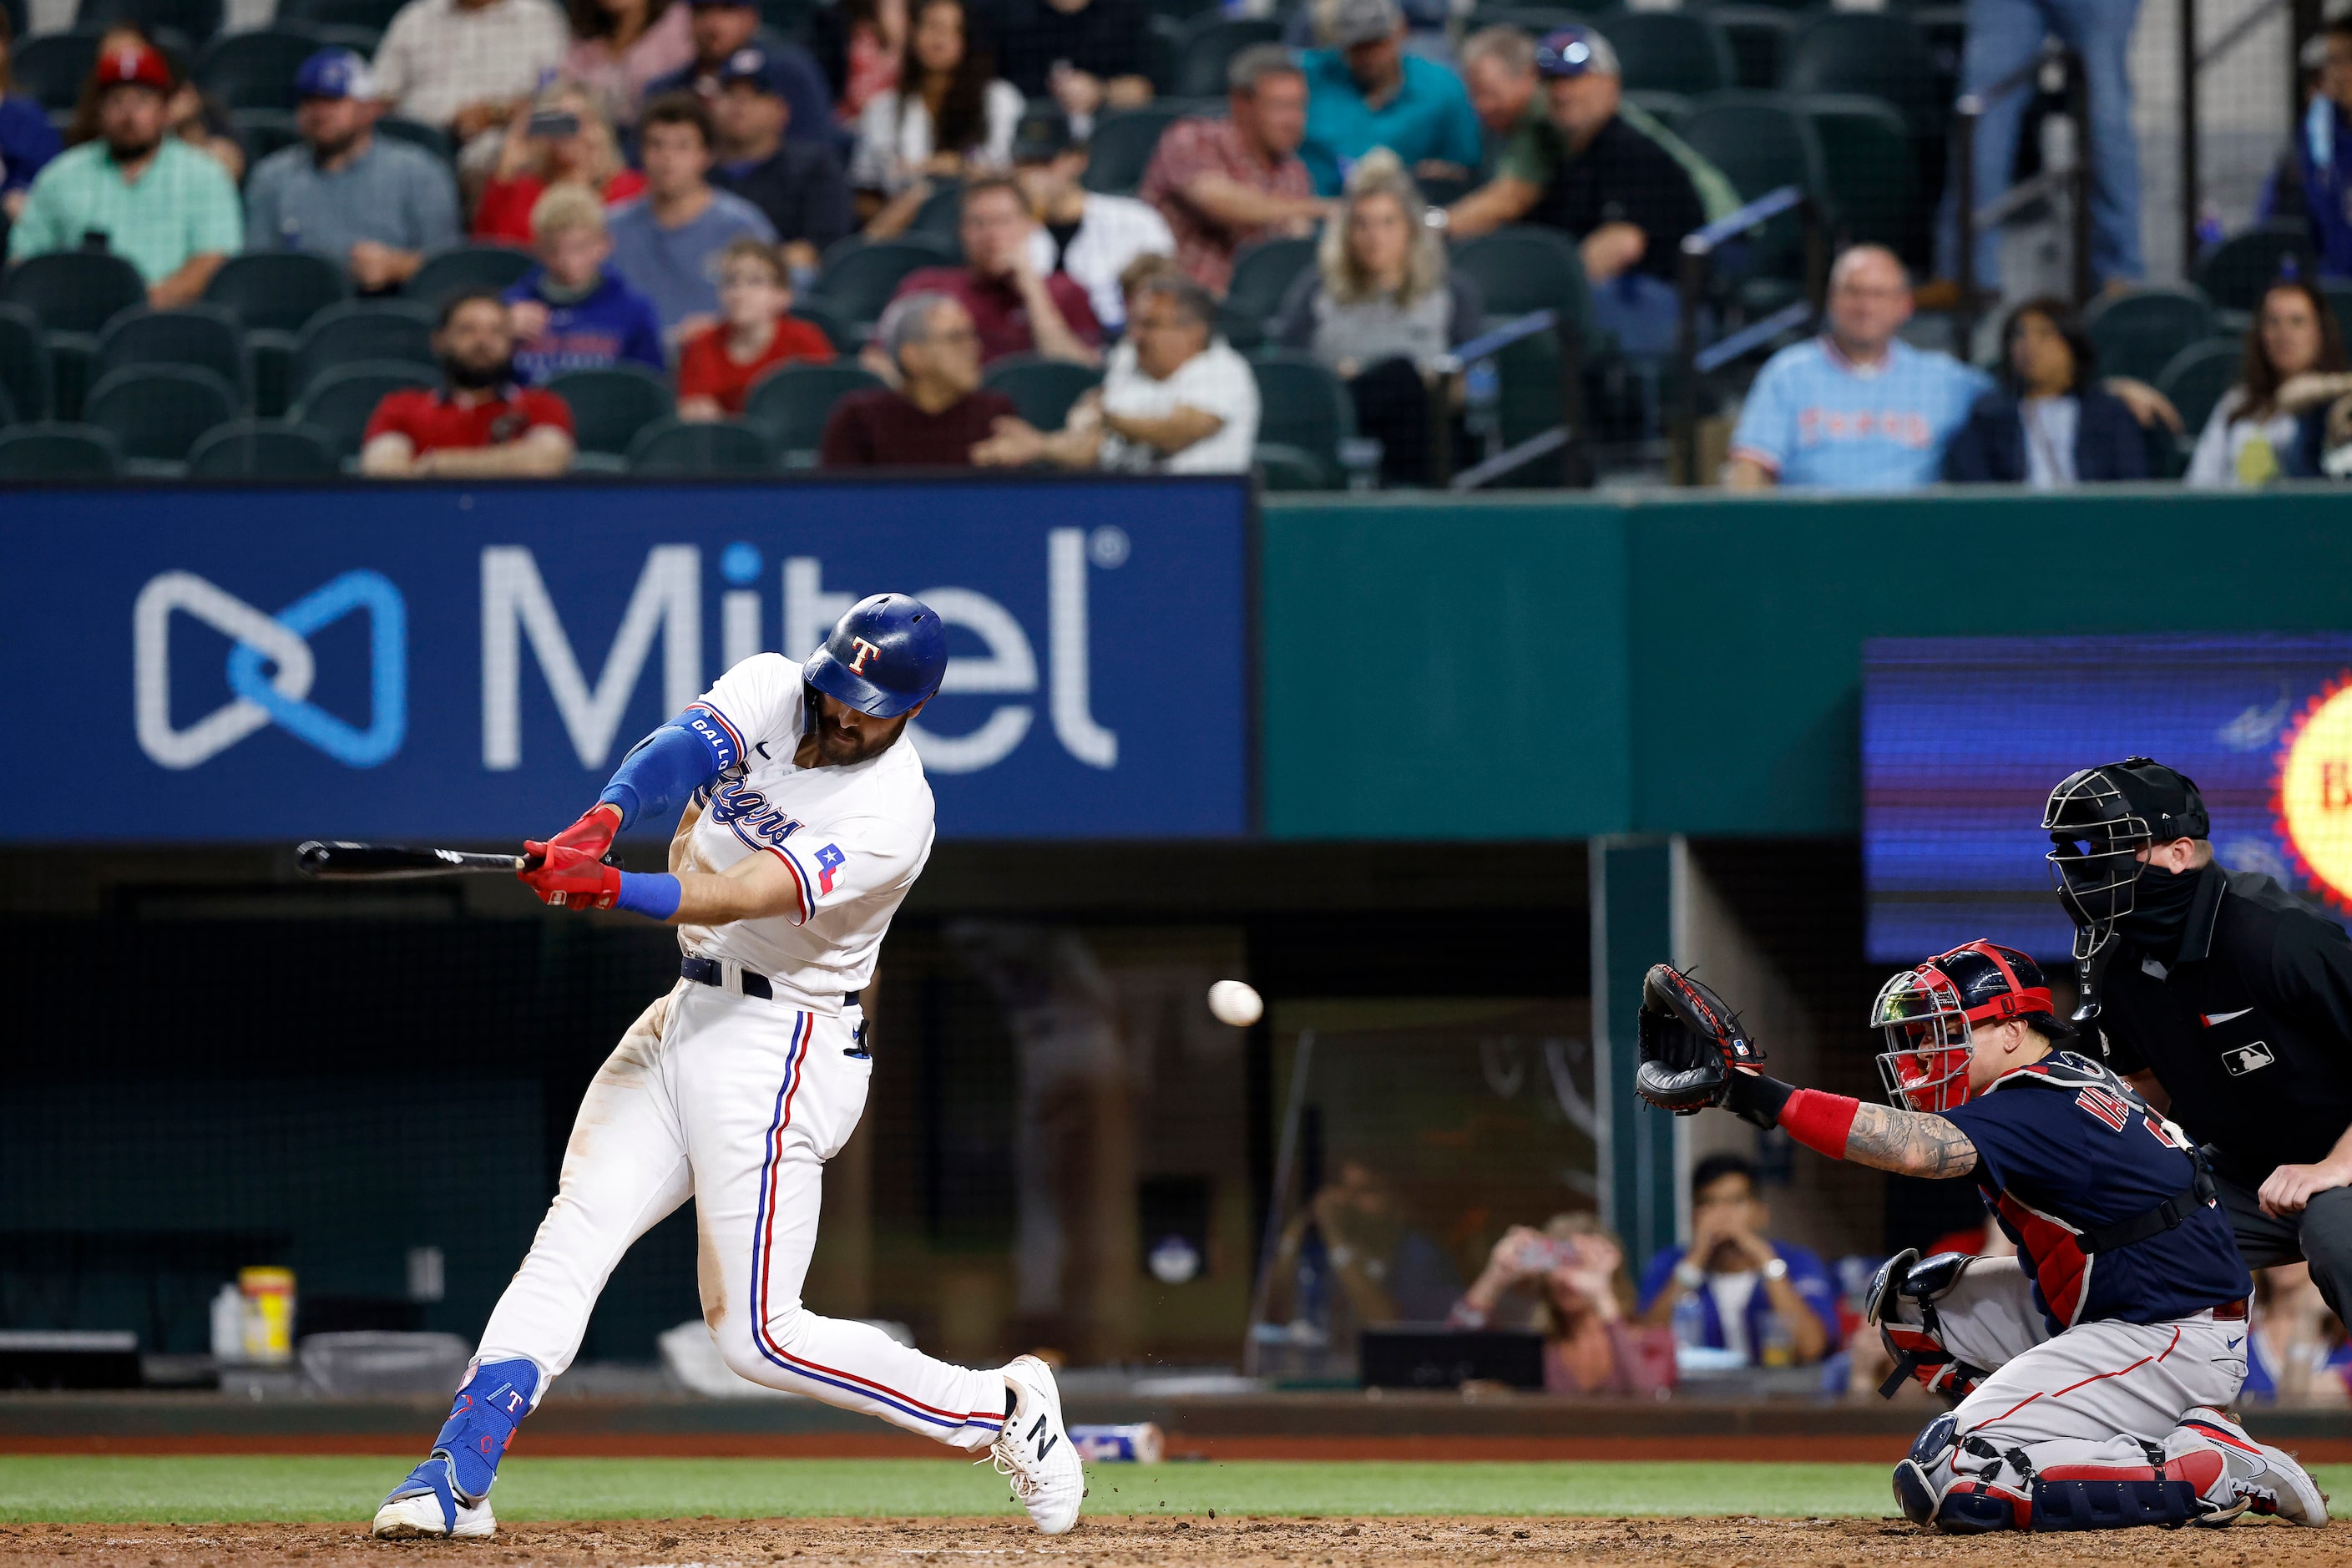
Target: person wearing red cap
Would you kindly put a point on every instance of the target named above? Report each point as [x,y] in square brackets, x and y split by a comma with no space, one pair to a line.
[149,197]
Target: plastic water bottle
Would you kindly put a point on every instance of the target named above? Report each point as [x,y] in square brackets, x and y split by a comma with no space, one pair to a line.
[1690,1321]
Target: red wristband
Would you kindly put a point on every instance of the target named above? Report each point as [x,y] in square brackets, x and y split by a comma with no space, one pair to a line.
[1821,1122]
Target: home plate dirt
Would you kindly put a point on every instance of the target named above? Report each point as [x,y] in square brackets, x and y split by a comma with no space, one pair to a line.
[1157,1542]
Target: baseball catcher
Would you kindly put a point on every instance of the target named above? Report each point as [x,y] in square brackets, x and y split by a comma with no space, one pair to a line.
[2091,1372]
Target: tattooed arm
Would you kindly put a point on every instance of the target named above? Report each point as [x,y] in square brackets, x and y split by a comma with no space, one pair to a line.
[1910,1141]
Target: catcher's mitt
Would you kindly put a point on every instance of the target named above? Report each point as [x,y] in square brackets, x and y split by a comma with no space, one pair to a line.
[1690,1043]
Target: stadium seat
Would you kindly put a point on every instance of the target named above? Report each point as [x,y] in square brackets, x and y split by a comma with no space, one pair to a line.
[157,411]
[1758,38]
[253,69]
[1042,389]
[261,132]
[360,330]
[73,290]
[193,20]
[375,16]
[1535,21]
[278,291]
[859,278]
[1525,268]
[500,267]
[1880,54]
[51,69]
[940,216]
[673,446]
[1123,142]
[2138,330]
[792,403]
[1870,173]
[341,400]
[1671,110]
[2235,272]
[845,338]
[1279,466]
[609,405]
[1670,51]
[417,133]
[1263,275]
[199,334]
[1761,142]
[56,451]
[7,407]
[2197,376]
[1206,44]
[1304,406]
[24,367]
[263,449]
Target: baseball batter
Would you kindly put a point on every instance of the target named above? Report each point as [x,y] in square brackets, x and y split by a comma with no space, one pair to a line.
[2093,1369]
[805,824]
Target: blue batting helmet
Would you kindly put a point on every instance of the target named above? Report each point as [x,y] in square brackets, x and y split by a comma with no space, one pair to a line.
[883,658]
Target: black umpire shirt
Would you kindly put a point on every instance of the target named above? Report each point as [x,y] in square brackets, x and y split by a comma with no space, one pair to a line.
[2247,1025]
[1622,176]
[801,189]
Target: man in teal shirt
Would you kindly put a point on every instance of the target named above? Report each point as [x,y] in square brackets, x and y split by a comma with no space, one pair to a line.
[1364,92]
[151,198]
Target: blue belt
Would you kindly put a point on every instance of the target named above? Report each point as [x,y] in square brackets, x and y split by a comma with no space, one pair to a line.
[711,972]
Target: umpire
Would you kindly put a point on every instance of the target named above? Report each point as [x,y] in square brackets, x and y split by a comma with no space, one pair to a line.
[2223,998]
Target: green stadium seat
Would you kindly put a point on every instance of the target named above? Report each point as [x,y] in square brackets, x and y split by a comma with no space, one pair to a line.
[417,133]
[360,330]
[1758,38]
[278,291]
[1122,144]
[611,404]
[1042,389]
[342,398]
[2136,332]
[57,451]
[375,16]
[25,368]
[674,447]
[1206,44]
[845,338]
[1881,54]
[261,132]
[73,290]
[157,411]
[859,278]
[263,449]
[1535,21]
[253,69]
[1762,142]
[940,216]
[1305,407]
[498,267]
[1670,51]
[7,407]
[1872,173]
[204,336]
[51,69]
[193,20]
[792,403]
[1263,274]
[1525,268]
[2235,273]
[2197,376]
[1279,466]
[1671,110]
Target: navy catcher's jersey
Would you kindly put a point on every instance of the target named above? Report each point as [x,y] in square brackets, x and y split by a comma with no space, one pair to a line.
[2063,1147]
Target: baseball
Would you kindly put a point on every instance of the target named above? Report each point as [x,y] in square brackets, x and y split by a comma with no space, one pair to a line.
[1236,1002]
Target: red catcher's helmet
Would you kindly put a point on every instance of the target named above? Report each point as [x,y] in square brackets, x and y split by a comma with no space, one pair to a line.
[1927,1013]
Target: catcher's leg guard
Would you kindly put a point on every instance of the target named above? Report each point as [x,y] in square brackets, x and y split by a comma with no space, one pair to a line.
[2193,1488]
[1925,1473]
[1918,1349]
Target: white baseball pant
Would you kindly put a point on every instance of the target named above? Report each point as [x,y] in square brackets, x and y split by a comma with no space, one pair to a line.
[736,1102]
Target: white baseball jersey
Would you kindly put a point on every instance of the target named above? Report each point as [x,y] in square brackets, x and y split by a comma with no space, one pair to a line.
[854,838]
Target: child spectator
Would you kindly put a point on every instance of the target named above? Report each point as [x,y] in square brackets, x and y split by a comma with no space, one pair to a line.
[561,139]
[572,312]
[754,333]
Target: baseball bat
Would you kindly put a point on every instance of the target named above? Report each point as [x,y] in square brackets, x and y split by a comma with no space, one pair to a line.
[336,860]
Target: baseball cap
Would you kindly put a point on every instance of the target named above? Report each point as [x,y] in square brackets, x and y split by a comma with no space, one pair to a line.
[1576,51]
[753,65]
[334,73]
[1352,22]
[1041,135]
[136,66]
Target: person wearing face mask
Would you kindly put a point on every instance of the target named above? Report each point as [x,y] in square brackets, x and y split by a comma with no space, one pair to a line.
[479,423]
[2219,995]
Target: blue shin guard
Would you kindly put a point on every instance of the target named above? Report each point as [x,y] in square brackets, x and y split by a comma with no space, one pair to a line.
[480,1426]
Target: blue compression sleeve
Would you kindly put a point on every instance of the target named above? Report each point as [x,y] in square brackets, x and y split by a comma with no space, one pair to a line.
[668,766]
[652,894]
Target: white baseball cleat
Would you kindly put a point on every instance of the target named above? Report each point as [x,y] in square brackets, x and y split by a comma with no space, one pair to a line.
[1035,1450]
[426,1504]
[2273,1484]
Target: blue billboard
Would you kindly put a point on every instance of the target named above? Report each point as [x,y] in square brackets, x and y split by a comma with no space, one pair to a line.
[1963,739]
[441,662]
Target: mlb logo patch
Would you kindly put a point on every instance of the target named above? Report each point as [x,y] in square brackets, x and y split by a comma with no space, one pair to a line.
[2243,1059]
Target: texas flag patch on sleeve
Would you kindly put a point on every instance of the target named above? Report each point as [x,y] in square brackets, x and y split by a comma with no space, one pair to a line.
[828,861]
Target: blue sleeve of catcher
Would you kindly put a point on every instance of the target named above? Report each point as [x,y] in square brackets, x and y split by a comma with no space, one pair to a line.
[662,771]
[652,894]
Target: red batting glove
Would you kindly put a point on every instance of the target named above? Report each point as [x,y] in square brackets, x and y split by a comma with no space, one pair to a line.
[568,878]
[594,832]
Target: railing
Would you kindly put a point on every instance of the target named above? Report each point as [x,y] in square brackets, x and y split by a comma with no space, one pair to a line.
[2074,177]
[1700,247]
[1474,362]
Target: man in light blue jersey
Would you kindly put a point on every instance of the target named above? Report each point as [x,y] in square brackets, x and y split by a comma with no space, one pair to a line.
[1855,408]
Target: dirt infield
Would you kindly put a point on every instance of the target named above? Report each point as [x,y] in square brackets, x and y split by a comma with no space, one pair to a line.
[1176,1542]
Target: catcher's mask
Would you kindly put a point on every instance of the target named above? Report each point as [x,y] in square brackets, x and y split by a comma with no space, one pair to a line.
[1927,1015]
[2098,821]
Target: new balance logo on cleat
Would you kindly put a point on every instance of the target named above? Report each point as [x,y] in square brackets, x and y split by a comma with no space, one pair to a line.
[1034,1451]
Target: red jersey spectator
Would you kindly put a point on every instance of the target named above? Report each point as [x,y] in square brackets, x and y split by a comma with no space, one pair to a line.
[479,424]
[1015,310]
[1222,184]
[564,138]
[938,412]
[716,366]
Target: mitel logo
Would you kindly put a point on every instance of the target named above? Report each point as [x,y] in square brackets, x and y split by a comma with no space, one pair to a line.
[263,694]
